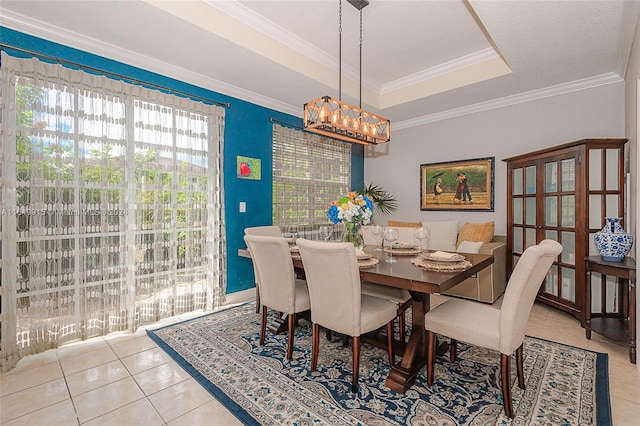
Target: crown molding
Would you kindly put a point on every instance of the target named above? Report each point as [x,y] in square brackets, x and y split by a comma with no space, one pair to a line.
[247,16]
[439,70]
[631,12]
[74,40]
[71,39]
[559,89]
[269,28]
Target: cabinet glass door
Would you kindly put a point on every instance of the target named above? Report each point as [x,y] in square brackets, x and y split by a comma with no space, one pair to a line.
[558,223]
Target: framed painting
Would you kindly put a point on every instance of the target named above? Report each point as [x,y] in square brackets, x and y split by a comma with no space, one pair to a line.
[458,185]
[248,168]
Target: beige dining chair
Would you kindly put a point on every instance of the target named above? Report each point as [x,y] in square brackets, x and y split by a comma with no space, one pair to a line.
[399,296]
[265,231]
[500,329]
[337,302]
[279,288]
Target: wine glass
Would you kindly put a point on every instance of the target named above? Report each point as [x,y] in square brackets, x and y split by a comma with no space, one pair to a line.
[292,234]
[324,232]
[391,235]
[421,234]
[377,231]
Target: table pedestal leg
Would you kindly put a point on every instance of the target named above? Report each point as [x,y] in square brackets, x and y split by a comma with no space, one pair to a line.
[403,374]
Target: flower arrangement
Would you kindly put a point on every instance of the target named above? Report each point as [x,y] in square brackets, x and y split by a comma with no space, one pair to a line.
[353,210]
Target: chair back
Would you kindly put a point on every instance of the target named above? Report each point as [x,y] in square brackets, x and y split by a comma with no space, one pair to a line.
[333,279]
[265,231]
[274,271]
[521,292]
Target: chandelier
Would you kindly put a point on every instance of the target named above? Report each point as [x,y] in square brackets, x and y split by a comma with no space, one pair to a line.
[332,117]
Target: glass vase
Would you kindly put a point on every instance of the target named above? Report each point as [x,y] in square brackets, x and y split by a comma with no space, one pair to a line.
[353,235]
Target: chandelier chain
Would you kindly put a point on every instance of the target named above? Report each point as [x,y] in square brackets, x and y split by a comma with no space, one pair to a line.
[340,53]
[360,58]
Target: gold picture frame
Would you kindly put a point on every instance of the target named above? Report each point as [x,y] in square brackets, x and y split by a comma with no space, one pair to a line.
[458,185]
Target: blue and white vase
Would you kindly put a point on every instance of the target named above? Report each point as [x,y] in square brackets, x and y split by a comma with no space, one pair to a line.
[612,242]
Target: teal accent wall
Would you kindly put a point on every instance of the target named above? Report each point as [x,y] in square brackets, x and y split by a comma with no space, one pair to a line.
[247,133]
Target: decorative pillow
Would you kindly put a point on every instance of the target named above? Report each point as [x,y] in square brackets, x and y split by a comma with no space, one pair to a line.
[476,232]
[470,247]
[442,235]
[401,224]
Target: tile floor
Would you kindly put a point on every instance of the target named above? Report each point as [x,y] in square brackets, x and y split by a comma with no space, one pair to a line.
[125,379]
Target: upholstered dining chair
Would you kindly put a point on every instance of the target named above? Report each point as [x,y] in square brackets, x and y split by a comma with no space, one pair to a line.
[279,288]
[337,301]
[265,231]
[399,296]
[501,329]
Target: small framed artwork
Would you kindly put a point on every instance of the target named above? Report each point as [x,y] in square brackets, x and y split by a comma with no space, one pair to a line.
[458,185]
[248,168]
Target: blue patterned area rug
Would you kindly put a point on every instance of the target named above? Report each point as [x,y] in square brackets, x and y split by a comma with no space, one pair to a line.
[564,385]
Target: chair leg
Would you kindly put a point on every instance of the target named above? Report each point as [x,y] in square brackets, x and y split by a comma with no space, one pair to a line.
[345,341]
[505,377]
[291,326]
[356,363]
[520,365]
[390,343]
[401,324]
[315,342]
[263,326]
[257,299]
[453,350]
[402,320]
[431,356]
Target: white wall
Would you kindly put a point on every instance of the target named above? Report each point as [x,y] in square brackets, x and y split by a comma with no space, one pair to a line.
[632,96]
[499,133]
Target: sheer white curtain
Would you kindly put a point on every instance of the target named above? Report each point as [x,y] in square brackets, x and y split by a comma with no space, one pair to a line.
[309,171]
[111,204]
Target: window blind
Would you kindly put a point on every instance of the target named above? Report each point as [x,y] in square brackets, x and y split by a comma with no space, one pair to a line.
[309,171]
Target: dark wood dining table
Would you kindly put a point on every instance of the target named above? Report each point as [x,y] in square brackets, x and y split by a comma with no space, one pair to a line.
[420,283]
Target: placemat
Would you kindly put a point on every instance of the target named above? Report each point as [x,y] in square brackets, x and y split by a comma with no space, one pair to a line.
[441,266]
[403,252]
[367,263]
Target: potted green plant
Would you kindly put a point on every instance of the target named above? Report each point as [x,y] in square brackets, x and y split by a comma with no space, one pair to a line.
[384,202]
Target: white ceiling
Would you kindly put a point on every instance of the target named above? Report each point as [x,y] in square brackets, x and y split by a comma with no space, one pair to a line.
[421,60]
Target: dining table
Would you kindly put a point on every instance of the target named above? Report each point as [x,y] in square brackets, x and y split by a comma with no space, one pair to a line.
[421,284]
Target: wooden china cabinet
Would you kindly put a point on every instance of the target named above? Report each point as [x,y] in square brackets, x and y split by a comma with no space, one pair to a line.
[564,193]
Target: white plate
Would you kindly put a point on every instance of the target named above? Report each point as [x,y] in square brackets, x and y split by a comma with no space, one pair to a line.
[294,249]
[364,256]
[455,258]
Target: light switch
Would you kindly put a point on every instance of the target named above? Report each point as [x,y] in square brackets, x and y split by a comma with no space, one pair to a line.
[243,206]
